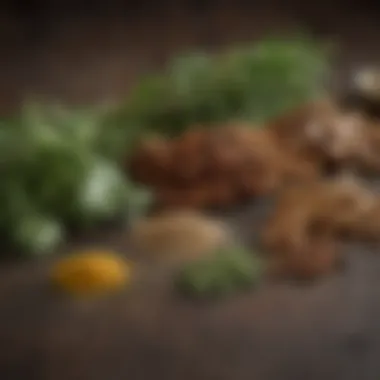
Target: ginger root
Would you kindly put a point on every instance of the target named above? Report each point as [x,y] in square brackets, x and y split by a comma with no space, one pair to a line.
[302,235]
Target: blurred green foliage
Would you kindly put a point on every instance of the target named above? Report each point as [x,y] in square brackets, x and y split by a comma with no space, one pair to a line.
[253,82]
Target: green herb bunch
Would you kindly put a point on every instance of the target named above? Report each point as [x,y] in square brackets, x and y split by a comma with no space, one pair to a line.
[253,82]
[227,271]
[54,172]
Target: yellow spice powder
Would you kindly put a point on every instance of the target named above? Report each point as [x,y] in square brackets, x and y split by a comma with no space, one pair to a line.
[91,272]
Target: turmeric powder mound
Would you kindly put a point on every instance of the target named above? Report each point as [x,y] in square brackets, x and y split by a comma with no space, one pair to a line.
[91,273]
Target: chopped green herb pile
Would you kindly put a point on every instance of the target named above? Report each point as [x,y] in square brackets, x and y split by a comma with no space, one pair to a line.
[226,272]
[255,82]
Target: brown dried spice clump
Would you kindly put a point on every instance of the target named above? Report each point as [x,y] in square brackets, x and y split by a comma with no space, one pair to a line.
[308,220]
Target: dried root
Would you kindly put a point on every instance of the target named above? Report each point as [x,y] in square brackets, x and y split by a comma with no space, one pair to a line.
[303,233]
